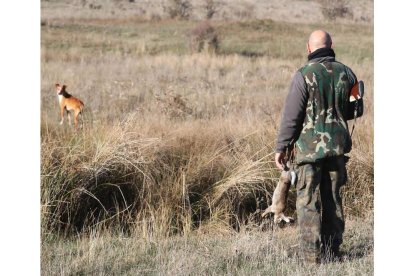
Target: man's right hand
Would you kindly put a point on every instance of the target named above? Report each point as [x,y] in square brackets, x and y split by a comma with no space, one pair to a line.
[280,160]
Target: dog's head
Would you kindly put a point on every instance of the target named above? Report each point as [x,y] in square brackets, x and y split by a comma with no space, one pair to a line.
[60,89]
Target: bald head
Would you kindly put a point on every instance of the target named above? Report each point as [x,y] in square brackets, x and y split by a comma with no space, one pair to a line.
[319,39]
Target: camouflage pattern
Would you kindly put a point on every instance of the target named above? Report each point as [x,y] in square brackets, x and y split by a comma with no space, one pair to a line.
[319,206]
[325,129]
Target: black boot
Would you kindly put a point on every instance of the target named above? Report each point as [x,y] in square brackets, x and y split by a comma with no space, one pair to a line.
[332,253]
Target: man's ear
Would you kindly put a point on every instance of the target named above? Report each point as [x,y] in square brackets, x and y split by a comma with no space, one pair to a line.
[308,48]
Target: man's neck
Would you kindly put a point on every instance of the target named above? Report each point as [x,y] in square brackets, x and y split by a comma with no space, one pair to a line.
[321,52]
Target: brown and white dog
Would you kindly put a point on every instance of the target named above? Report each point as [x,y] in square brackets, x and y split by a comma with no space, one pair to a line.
[279,198]
[69,103]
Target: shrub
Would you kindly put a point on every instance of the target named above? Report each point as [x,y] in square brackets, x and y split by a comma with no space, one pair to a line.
[179,9]
[174,104]
[210,8]
[333,9]
[204,38]
[95,7]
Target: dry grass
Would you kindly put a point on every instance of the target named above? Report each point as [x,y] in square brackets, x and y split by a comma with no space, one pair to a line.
[177,144]
[244,253]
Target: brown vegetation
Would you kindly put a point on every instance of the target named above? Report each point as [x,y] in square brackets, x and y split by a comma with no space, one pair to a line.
[204,38]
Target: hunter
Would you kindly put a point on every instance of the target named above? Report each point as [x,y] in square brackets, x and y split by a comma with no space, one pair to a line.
[314,125]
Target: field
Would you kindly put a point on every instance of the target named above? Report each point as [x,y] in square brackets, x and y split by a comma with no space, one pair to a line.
[175,159]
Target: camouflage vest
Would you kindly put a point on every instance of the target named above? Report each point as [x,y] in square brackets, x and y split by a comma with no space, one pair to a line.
[325,131]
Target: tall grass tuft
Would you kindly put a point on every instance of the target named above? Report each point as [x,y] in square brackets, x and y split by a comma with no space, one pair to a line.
[117,177]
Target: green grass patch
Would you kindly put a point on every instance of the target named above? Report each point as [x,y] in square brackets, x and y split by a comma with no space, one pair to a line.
[248,38]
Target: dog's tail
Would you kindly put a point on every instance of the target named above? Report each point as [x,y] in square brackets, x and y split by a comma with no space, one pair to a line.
[86,115]
[82,106]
